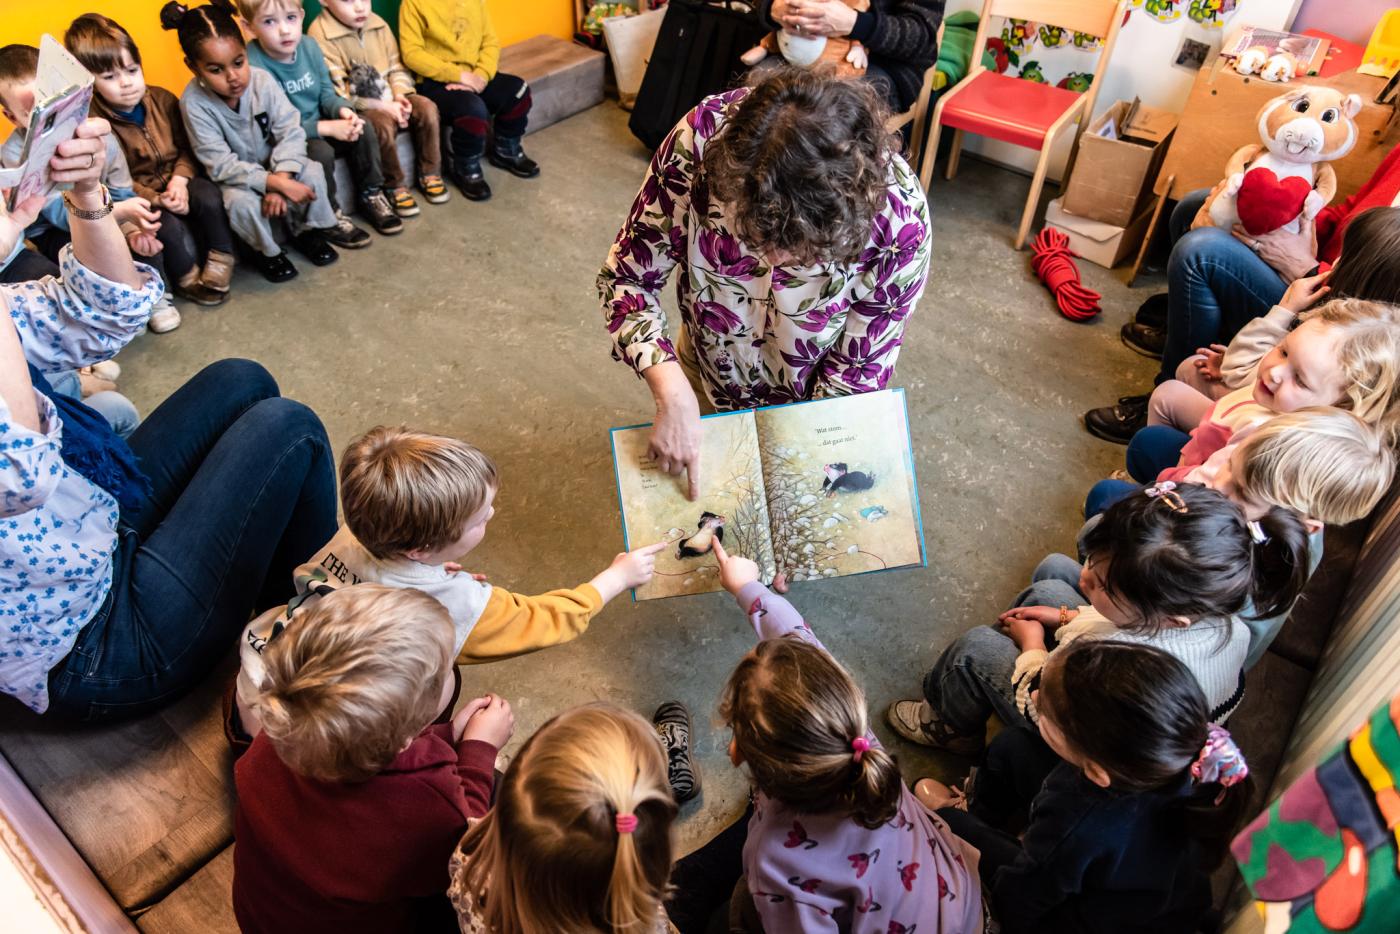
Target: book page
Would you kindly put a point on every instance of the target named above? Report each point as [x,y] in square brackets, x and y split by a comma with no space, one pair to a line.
[842,495]
[732,505]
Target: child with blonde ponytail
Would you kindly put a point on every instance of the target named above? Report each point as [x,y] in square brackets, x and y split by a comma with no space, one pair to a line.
[836,842]
[579,840]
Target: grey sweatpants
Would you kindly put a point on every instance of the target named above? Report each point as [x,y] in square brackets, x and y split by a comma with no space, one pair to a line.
[245,216]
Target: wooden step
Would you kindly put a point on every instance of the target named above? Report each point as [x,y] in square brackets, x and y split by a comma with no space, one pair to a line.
[565,77]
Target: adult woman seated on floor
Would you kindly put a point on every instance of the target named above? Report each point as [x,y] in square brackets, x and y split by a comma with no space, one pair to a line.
[1219,280]
[128,570]
[803,240]
[900,37]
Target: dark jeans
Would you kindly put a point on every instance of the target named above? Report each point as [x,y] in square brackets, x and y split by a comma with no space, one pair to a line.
[1105,493]
[1153,450]
[467,117]
[704,880]
[204,228]
[363,156]
[27,266]
[972,678]
[1010,776]
[1215,286]
[244,490]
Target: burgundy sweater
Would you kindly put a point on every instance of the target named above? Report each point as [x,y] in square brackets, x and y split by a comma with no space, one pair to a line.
[349,857]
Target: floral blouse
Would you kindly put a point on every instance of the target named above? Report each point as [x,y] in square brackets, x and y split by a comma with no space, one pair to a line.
[763,335]
[58,530]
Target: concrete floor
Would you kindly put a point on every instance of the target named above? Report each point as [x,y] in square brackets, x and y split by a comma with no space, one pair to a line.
[481,321]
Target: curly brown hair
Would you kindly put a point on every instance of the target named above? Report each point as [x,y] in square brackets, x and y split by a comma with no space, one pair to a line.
[803,161]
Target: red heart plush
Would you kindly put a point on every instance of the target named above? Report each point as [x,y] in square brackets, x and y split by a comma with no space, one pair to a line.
[1266,203]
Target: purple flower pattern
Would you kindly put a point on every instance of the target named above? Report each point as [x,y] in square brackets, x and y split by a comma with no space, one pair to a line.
[762,335]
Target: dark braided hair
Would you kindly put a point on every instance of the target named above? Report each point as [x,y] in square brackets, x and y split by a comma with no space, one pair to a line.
[194,26]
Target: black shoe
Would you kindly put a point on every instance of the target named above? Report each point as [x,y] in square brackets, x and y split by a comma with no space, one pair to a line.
[1118,423]
[277,268]
[345,234]
[1145,339]
[1153,312]
[466,174]
[507,154]
[672,722]
[314,245]
[376,209]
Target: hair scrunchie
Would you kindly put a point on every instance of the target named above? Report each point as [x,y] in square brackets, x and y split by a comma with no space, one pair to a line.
[625,823]
[859,747]
[1220,760]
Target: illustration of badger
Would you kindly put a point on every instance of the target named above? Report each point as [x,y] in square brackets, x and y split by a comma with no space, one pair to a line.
[711,527]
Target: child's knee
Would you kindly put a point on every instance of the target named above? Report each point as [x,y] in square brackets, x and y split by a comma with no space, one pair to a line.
[386,128]
[423,113]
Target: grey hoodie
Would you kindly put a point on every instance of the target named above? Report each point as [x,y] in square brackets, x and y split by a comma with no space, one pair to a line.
[239,147]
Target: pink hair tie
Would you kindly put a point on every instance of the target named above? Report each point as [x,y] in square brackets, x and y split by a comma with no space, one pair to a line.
[861,746]
[626,823]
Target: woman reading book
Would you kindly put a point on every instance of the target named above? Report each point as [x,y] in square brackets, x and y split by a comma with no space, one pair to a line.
[803,239]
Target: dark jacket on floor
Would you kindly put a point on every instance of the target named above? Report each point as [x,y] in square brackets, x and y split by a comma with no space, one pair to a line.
[349,857]
[901,37]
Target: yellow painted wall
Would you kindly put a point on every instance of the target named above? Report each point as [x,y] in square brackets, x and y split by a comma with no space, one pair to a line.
[25,20]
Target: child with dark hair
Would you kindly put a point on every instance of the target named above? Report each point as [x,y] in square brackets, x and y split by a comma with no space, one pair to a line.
[452,46]
[1173,566]
[331,124]
[1116,824]
[250,140]
[146,122]
[834,833]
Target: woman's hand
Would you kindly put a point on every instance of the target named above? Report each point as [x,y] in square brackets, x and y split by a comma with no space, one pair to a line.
[817,17]
[79,161]
[1292,255]
[675,435]
[1208,361]
[1306,292]
[735,571]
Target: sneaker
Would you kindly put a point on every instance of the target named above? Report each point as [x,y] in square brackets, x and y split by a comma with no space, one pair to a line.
[672,722]
[466,174]
[933,794]
[404,205]
[917,722]
[344,234]
[1118,423]
[1153,312]
[315,245]
[376,209]
[434,189]
[1143,338]
[277,268]
[109,370]
[164,317]
[505,153]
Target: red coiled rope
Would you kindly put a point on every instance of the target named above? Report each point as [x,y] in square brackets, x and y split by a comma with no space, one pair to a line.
[1052,261]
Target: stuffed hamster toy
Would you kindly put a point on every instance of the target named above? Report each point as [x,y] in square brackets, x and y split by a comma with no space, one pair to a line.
[1272,186]
[1271,66]
[847,55]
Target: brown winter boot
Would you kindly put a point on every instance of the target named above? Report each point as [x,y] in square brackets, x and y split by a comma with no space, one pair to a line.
[191,289]
[218,270]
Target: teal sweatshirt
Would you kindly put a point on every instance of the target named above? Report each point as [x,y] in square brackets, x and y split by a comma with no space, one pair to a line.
[307,81]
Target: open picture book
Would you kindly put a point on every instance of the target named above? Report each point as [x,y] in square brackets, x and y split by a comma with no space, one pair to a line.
[812,489]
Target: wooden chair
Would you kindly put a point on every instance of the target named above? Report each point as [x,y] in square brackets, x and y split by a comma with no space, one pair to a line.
[1023,112]
[918,114]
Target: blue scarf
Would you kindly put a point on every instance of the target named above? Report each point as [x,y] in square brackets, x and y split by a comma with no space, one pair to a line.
[93,449]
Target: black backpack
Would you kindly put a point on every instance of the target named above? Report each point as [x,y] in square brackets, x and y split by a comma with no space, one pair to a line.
[696,54]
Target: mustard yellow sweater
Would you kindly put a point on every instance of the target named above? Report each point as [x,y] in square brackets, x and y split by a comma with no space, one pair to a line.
[440,39]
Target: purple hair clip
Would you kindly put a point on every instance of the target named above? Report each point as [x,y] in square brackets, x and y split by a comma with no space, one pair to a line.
[1165,491]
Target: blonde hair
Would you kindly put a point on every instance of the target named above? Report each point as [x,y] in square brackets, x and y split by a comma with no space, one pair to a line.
[795,714]
[248,10]
[1320,462]
[1368,354]
[403,489]
[353,679]
[549,857]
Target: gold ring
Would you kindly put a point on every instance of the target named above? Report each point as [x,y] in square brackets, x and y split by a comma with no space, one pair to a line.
[92,159]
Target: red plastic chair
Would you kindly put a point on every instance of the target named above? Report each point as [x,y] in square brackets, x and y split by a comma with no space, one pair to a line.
[1017,111]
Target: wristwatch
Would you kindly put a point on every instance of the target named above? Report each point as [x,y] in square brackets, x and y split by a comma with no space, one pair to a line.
[84,213]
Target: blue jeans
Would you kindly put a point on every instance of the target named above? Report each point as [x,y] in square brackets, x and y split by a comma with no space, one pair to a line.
[117,409]
[1105,493]
[243,490]
[972,678]
[1153,450]
[1215,286]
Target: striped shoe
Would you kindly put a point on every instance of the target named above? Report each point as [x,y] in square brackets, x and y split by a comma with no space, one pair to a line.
[672,722]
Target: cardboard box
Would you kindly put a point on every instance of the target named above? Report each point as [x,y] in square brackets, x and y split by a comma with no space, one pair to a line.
[1119,155]
[1105,244]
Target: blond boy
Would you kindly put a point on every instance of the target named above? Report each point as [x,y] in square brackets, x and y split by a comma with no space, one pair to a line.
[363,57]
[414,503]
[351,799]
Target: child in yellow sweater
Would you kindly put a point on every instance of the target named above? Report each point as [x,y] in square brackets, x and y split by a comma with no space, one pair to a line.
[452,46]
[413,503]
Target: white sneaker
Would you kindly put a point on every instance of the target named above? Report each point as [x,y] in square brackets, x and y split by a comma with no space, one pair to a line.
[165,317]
[109,370]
